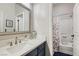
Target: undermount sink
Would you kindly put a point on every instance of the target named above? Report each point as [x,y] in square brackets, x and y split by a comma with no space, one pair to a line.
[20,47]
[17,49]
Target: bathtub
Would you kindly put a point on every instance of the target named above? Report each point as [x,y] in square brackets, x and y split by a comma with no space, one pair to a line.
[66,47]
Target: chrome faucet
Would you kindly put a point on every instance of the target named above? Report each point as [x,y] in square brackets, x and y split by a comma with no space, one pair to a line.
[16,41]
[11,44]
[25,36]
[19,41]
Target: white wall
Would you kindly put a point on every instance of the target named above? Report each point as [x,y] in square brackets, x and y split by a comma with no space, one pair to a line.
[43,22]
[41,18]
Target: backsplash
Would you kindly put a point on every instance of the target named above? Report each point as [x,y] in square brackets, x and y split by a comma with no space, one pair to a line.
[6,39]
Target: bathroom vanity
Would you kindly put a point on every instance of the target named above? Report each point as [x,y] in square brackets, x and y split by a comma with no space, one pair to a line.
[30,47]
[17,35]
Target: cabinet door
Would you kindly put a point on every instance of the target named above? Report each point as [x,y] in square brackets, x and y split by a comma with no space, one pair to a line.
[32,53]
[41,50]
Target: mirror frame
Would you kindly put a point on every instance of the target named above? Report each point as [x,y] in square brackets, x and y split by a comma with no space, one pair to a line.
[23,32]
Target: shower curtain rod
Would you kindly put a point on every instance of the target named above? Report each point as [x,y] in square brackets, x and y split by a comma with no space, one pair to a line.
[63,14]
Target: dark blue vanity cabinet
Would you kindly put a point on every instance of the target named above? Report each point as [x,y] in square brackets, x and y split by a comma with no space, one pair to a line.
[32,53]
[39,51]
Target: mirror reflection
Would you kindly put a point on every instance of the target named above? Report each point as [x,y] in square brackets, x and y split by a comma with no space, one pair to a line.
[14,17]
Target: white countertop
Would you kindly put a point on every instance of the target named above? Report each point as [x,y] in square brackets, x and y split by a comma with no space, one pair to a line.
[22,48]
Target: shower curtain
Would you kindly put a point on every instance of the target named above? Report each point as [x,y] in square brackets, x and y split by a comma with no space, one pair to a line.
[56,34]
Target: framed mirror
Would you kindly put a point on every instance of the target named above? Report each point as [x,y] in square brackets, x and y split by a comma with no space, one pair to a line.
[14,17]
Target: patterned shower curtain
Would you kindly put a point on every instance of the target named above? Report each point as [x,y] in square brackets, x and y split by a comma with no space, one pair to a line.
[56,34]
